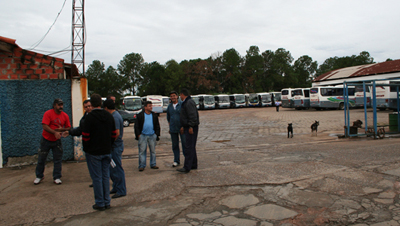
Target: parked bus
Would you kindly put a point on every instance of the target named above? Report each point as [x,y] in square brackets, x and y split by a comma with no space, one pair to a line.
[386,96]
[196,100]
[330,97]
[360,96]
[301,98]
[265,99]
[206,101]
[276,97]
[260,99]
[165,101]
[237,100]
[132,104]
[253,100]
[157,102]
[287,99]
[222,101]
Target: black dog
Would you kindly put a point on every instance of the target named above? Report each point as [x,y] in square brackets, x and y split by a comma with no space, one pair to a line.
[290,130]
[357,123]
[314,127]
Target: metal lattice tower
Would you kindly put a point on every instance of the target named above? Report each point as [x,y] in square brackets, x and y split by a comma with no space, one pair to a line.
[78,35]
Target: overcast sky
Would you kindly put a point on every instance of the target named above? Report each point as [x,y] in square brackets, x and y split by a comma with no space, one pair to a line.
[186,29]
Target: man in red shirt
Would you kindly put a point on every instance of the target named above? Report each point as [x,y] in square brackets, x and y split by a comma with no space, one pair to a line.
[54,122]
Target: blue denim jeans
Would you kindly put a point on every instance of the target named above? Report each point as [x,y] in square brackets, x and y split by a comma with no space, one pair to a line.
[99,169]
[117,173]
[45,146]
[175,145]
[145,140]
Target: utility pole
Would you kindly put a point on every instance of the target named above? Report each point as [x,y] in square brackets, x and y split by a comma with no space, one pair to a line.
[78,35]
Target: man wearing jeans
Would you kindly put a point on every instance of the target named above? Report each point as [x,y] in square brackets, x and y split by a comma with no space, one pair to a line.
[117,173]
[54,122]
[173,117]
[147,132]
[98,136]
[190,127]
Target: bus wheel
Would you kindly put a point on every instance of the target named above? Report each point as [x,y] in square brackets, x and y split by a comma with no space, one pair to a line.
[382,109]
[341,106]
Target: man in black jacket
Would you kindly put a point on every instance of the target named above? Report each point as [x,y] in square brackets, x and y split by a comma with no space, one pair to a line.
[147,132]
[77,131]
[98,135]
[190,127]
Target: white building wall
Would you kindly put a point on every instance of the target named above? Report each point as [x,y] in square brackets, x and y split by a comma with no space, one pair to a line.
[78,95]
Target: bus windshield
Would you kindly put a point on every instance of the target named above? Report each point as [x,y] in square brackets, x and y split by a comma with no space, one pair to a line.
[277,96]
[223,99]
[209,100]
[196,100]
[132,104]
[165,101]
[253,98]
[240,99]
[266,98]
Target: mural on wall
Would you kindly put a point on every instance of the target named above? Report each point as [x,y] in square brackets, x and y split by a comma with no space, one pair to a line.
[22,105]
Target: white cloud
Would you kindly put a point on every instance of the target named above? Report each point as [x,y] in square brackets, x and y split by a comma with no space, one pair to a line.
[183,30]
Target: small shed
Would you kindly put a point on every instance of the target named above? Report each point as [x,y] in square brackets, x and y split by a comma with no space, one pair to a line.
[29,83]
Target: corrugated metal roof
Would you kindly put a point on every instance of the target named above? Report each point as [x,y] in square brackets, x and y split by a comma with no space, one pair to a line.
[361,70]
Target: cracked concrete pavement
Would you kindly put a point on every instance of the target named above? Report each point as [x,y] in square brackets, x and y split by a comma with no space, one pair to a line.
[249,174]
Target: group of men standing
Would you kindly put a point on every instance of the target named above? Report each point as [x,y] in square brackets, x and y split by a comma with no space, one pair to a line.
[102,131]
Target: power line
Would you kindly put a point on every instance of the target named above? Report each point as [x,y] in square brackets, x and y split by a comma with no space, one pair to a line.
[40,41]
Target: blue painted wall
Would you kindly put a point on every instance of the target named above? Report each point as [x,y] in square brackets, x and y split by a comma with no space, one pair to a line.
[22,105]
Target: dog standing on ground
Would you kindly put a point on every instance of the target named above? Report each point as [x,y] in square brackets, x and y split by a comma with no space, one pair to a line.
[290,130]
[314,127]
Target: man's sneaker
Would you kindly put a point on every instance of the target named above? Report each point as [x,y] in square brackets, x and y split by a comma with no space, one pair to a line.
[37,180]
[175,164]
[57,181]
[141,169]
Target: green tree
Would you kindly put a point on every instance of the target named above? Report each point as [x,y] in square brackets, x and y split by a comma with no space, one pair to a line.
[153,82]
[334,63]
[174,76]
[104,82]
[304,70]
[130,67]
[278,71]
[230,77]
[253,71]
[94,73]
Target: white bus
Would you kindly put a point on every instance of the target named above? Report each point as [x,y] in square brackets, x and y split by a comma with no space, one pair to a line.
[301,98]
[165,101]
[196,99]
[287,99]
[206,101]
[260,99]
[359,95]
[157,102]
[330,97]
[237,100]
[386,96]
[222,101]
[132,104]
[276,97]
